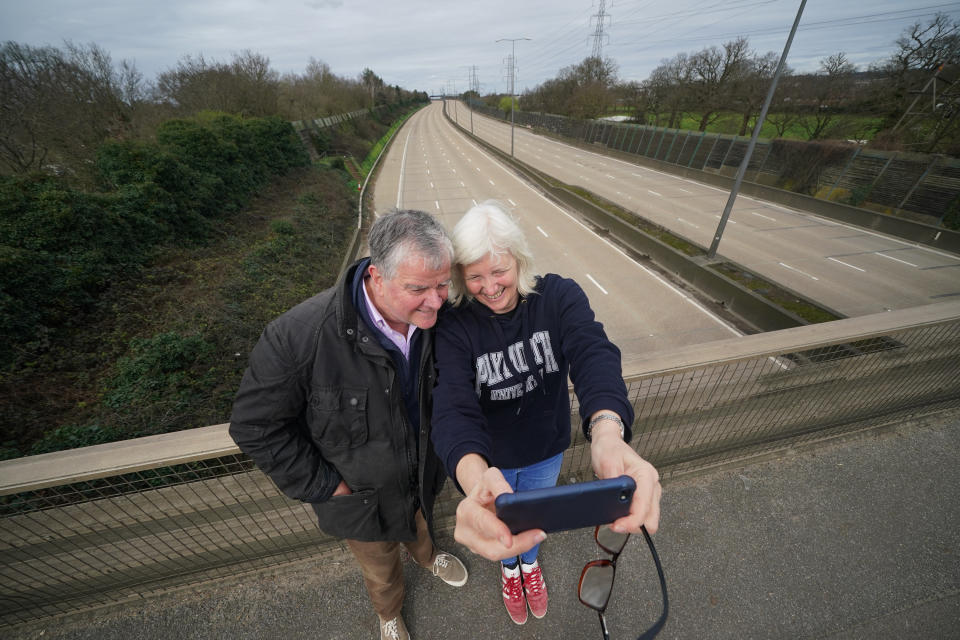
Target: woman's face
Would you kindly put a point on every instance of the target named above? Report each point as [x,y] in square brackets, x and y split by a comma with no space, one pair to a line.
[493,281]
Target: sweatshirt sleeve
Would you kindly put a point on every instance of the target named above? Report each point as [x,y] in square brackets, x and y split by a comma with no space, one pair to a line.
[458,424]
[266,420]
[595,366]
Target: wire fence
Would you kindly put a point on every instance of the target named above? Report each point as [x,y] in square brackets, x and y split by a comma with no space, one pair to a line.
[923,187]
[99,540]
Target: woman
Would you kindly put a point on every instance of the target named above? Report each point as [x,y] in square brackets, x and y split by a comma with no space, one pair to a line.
[501,413]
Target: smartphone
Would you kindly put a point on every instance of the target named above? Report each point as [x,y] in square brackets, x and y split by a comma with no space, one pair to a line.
[570,506]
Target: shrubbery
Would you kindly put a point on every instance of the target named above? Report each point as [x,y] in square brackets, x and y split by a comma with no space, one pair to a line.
[60,247]
[191,286]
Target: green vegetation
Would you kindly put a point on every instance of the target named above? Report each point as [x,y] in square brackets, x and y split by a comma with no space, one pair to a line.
[777,295]
[134,307]
[60,247]
[165,347]
[367,165]
[648,228]
[864,127]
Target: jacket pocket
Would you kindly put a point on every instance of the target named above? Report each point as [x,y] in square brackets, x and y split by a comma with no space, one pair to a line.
[355,516]
[338,416]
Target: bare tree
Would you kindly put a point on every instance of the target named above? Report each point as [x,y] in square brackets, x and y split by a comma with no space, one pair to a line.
[246,86]
[714,71]
[57,105]
[374,84]
[669,88]
[749,88]
[831,90]
[921,96]
[319,92]
[582,90]
[783,112]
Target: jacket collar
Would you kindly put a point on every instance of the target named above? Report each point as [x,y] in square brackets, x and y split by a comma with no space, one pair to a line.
[346,310]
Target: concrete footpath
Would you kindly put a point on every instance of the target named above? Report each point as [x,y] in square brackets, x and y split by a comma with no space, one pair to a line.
[854,539]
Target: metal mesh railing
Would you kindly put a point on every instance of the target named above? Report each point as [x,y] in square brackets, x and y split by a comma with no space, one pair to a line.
[106,539]
[884,181]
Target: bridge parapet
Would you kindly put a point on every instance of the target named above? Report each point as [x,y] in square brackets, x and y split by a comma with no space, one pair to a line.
[106,523]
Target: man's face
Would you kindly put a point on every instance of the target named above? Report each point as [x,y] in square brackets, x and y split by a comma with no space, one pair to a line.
[414,294]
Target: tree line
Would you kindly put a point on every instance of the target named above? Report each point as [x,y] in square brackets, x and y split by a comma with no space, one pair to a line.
[908,101]
[59,103]
[136,254]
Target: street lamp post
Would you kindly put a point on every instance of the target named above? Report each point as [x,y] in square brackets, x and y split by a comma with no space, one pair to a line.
[711,254]
[513,60]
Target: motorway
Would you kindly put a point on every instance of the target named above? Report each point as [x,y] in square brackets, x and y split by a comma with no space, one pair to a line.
[433,167]
[852,270]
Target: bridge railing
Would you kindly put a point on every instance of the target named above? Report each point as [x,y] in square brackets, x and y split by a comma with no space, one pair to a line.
[115,522]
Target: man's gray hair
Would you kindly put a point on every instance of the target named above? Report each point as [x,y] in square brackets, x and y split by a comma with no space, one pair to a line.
[398,235]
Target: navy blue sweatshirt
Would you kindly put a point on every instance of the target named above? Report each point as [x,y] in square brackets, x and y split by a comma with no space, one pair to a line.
[502,379]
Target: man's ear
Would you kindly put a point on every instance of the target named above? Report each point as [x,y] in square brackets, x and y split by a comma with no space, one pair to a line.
[376,278]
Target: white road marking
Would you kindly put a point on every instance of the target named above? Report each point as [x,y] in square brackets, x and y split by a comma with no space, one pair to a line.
[760,215]
[403,163]
[847,265]
[654,193]
[782,264]
[542,231]
[896,259]
[598,284]
[653,274]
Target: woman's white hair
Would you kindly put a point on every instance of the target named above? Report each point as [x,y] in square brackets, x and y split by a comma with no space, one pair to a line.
[488,230]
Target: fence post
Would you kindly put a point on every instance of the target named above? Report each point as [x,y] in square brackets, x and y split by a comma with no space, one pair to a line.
[762,164]
[919,180]
[676,134]
[727,154]
[697,148]
[844,172]
[630,144]
[686,138]
[656,155]
[715,141]
[879,175]
[646,152]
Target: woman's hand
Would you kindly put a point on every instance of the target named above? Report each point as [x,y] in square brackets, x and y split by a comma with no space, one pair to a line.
[478,527]
[612,457]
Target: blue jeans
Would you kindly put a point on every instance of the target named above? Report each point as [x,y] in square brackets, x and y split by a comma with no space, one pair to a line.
[535,476]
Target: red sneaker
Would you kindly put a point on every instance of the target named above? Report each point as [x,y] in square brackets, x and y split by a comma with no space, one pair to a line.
[513,594]
[535,588]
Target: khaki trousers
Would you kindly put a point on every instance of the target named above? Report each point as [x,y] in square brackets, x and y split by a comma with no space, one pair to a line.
[382,569]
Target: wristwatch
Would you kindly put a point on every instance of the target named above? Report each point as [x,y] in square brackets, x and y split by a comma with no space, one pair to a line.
[604,416]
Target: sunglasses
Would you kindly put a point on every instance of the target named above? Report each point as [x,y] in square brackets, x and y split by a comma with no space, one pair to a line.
[596,579]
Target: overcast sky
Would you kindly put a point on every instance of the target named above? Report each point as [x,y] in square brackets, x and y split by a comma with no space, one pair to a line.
[431,46]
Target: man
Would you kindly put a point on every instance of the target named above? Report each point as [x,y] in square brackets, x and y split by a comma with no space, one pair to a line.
[335,406]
